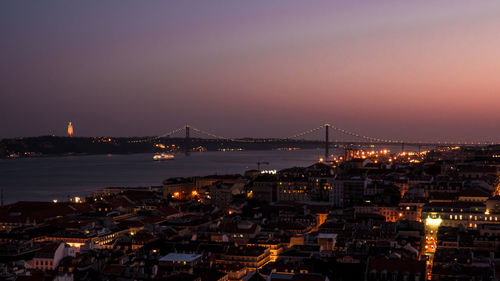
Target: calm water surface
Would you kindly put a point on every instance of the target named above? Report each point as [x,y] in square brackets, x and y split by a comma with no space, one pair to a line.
[47,178]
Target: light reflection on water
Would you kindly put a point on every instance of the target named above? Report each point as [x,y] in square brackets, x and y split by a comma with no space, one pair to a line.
[47,178]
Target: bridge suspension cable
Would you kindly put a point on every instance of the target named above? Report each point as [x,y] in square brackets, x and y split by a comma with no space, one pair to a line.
[363,136]
[218,136]
[305,132]
[345,132]
[158,137]
[209,134]
[295,136]
[170,133]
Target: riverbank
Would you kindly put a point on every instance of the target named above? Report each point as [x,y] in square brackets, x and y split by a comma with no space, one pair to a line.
[48,178]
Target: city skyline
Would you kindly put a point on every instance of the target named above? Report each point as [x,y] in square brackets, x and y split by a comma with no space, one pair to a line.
[414,71]
[321,140]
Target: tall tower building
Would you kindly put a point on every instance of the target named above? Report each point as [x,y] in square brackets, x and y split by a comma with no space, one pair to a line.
[70,130]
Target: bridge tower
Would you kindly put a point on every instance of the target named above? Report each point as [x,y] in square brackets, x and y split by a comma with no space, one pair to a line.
[327,144]
[187,142]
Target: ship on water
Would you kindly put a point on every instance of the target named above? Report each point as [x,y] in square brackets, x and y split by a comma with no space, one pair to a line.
[163,156]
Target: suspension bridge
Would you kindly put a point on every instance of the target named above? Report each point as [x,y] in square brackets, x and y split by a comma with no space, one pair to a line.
[344,137]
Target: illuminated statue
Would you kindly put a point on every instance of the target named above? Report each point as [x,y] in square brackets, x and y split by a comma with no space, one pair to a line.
[70,130]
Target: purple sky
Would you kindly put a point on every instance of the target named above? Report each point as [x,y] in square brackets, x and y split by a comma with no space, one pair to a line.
[412,70]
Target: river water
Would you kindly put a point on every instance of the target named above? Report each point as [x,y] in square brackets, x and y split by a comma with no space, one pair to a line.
[48,178]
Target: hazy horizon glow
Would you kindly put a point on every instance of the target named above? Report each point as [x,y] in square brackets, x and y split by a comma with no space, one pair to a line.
[412,70]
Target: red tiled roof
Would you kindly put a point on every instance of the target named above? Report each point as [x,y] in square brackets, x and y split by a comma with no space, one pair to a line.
[120,201]
[35,276]
[459,204]
[130,223]
[230,227]
[477,169]
[449,196]
[23,211]
[140,195]
[47,251]
[496,197]
[308,277]
[181,277]
[168,211]
[410,266]
[252,251]
[213,275]
[113,269]
[474,193]
[143,237]
[319,209]
[70,223]
[154,220]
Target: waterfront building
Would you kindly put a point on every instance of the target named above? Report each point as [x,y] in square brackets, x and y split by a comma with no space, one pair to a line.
[178,188]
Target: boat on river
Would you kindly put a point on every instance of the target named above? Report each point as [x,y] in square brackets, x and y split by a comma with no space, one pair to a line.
[163,156]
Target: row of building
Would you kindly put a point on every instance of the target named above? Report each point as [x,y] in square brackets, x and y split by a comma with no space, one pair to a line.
[374,216]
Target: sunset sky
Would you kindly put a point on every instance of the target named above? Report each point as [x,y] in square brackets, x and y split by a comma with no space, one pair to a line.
[412,70]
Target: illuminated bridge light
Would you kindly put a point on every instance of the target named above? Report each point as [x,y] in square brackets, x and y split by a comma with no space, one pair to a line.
[340,130]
